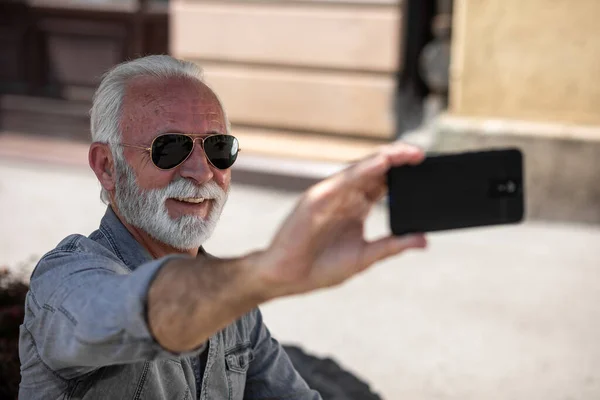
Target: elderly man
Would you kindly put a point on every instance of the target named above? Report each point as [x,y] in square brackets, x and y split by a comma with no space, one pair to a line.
[138,309]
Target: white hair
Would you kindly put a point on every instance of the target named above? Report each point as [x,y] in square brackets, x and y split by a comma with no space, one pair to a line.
[105,115]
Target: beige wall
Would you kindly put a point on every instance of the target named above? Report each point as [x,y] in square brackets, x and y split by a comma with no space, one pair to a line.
[310,34]
[535,60]
[318,66]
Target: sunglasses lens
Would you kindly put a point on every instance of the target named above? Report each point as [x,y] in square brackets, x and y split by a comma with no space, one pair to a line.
[170,150]
[221,150]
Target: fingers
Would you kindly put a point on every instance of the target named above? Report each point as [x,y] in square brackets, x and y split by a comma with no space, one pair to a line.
[377,191]
[365,180]
[391,245]
[402,153]
[377,165]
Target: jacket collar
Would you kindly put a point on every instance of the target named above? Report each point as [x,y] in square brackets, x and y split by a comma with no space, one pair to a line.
[122,243]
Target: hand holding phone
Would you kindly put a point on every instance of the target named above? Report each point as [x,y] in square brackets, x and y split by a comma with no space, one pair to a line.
[457,191]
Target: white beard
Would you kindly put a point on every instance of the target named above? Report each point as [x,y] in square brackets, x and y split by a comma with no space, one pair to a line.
[146,209]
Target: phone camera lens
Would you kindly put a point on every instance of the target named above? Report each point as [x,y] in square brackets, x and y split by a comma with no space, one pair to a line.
[504,188]
[511,187]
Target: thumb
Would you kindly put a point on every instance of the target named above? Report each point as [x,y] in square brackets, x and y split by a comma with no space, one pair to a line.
[391,245]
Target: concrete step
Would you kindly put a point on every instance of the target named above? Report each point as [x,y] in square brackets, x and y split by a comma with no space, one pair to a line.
[561,162]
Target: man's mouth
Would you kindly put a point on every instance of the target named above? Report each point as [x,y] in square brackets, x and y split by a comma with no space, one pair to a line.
[192,200]
[198,206]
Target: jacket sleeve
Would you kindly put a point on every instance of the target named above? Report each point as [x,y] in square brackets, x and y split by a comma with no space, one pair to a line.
[271,374]
[84,311]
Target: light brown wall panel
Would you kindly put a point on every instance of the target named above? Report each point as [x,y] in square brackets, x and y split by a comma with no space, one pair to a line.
[308,35]
[353,104]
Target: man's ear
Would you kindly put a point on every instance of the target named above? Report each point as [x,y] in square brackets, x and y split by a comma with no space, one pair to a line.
[101,162]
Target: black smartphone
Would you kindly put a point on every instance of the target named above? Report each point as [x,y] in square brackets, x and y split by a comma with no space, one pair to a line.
[453,191]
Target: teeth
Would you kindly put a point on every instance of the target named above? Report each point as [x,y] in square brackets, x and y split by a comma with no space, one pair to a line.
[195,200]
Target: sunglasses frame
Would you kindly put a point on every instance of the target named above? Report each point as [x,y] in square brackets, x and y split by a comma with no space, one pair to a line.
[193,138]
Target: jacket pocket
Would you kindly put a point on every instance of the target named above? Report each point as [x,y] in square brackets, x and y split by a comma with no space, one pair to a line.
[158,379]
[237,363]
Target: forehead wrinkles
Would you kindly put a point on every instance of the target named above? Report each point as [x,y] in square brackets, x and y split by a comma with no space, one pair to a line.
[142,100]
[173,101]
[202,109]
[205,121]
[207,105]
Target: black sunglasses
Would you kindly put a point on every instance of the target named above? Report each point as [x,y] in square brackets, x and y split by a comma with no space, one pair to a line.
[170,150]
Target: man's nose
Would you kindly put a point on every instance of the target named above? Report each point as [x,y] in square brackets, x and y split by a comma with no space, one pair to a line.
[197,167]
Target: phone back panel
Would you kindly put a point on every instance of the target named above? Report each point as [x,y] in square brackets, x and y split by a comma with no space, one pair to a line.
[457,191]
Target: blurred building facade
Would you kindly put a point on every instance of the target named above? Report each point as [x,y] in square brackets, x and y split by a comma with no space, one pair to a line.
[300,79]
[330,80]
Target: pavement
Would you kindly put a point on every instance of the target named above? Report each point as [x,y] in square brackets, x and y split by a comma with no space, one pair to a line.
[495,313]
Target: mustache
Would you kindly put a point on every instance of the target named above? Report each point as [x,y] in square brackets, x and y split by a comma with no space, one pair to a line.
[183,187]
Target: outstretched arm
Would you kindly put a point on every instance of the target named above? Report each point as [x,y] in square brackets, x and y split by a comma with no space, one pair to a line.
[320,244]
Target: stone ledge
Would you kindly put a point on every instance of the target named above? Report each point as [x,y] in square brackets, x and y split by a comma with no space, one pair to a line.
[562,163]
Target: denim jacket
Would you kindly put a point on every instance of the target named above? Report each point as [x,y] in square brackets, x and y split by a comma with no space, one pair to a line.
[85,334]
